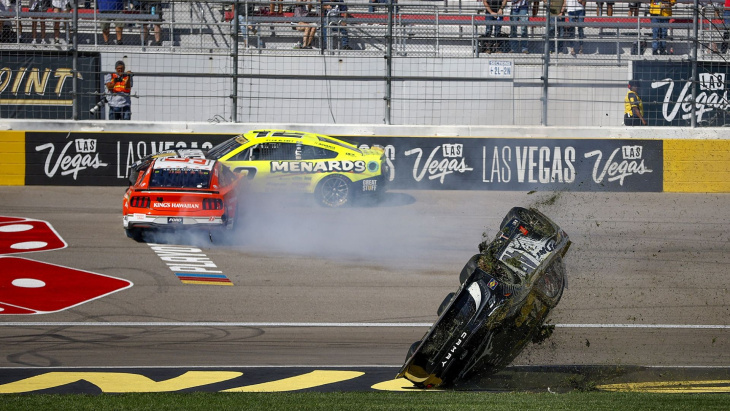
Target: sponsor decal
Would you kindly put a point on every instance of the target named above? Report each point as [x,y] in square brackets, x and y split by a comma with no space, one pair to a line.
[453,349]
[437,169]
[174,220]
[369,185]
[75,156]
[317,166]
[528,252]
[492,284]
[630,163]
[191,206]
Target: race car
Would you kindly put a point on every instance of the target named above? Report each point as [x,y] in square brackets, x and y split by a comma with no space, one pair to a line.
[181,192]
[300,162]
[505,296]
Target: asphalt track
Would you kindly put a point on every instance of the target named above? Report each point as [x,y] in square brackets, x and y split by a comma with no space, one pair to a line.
[331,299]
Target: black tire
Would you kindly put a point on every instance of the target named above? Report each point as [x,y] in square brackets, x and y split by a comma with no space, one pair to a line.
[469,268]
[444,304]
[552,283]
[412,349]
[334,191]
[134,233]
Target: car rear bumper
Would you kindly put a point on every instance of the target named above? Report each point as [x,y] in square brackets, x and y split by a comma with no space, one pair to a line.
[130,221]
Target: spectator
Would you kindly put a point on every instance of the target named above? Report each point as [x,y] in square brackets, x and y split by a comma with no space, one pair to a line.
[119,84]
[372,8]
[660,11]
[60,6]
[576,10]
[275,7]
[634,9]
[242,15]
[535,11]
[518,13]
[557,9]
[154,8]
[9,6]
[336,20]
[633,107]
[111,6]
[301,9]
[38,6]
[494,12]
[599,11]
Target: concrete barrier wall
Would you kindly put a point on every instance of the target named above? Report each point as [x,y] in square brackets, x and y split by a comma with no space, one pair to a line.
[496,158]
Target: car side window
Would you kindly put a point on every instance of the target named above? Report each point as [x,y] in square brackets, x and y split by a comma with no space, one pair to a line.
[273,152]
[316,153]
[227,176]
[244,155]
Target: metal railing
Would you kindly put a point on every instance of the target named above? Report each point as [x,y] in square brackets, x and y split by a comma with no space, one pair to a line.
[251,62]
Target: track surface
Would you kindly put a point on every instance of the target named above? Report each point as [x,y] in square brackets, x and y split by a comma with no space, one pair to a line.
[648,282]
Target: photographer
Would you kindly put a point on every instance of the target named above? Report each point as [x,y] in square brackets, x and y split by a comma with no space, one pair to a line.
[119,85]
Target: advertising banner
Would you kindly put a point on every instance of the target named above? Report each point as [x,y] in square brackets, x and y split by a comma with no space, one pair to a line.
[35,85]
[523,164]
[98,159]
[666,91]
[511,164]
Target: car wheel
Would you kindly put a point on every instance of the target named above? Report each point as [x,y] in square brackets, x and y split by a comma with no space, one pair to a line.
[134,233]
[552,282]
[444,303]
[412,349]
[334,191]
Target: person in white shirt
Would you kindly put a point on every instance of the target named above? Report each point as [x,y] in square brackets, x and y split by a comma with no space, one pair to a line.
[576,10]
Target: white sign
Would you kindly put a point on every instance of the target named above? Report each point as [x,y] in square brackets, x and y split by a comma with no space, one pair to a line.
[501,68]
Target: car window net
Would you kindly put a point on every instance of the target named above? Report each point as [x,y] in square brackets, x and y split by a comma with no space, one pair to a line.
[222,149]
[180,178]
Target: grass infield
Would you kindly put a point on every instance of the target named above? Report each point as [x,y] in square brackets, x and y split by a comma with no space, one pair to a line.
[368,401]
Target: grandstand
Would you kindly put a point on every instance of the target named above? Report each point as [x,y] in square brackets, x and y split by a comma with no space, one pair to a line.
[418,62]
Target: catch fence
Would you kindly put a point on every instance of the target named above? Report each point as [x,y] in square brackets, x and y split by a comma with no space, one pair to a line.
[407,63]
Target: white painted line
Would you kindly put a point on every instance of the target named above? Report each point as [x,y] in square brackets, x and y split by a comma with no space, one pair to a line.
[332,325]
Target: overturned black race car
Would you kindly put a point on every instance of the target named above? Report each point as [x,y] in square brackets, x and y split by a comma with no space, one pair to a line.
[505,296]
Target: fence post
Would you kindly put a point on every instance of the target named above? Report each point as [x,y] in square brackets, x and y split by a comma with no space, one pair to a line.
[75,108]
[235,55]
[693,57]
[546,64]
[389,63]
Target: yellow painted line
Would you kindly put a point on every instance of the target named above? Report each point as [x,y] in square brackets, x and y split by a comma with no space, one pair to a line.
[697,166]
[116,382]
[710,386]
[12,158]
[300,382]
[30,102]
[206,282]
[400,384]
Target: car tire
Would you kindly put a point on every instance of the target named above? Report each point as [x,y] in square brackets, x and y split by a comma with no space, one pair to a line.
[134,233]
[412,349]
[445,303]
[334,191]
[551,283]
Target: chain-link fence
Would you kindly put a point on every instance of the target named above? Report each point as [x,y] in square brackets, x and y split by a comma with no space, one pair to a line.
[416,62]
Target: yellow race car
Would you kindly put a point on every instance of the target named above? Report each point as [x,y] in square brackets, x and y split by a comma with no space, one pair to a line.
[301,162]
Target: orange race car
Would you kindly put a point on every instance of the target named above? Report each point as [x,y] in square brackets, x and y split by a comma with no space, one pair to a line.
[175,192]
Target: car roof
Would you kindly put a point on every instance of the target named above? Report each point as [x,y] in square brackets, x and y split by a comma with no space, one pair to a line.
[305,136]
[184,163]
